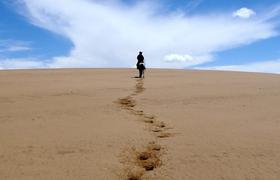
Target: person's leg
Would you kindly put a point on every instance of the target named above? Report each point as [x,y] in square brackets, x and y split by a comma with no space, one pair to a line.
[140,73]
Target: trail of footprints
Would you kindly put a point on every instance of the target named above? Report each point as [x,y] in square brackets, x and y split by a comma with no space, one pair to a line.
[148,158]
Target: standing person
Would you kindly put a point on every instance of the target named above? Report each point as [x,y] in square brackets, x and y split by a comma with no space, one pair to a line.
[140,64]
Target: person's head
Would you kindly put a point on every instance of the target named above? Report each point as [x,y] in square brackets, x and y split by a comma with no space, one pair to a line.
[140,52]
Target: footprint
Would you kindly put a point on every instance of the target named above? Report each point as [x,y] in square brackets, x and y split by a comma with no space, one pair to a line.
[127,102]
[149,121]
[136,175]
[156,129]
[144,156]
[150,116]
[161,125]
[148,160]
[139,112]
[164,135]
[154,147]
[149,166]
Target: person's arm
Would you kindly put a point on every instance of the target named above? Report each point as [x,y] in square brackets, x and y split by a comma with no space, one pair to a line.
[141,59]
[137,61]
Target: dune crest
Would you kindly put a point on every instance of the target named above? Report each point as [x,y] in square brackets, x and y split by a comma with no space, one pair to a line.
[174,124]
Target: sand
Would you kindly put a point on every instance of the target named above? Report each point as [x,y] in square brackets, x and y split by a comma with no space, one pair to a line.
[104,124]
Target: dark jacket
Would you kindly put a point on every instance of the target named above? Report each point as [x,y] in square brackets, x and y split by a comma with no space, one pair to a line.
[140,59]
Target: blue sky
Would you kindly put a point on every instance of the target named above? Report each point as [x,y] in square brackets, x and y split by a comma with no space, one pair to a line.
[203,34]
[15,27]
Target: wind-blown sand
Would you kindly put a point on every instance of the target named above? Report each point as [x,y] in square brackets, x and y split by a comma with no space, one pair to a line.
[103,124]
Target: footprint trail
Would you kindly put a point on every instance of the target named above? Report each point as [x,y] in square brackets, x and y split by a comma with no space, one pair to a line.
[148,158]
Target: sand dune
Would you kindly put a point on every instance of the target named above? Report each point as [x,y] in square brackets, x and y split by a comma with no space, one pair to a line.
[173,125]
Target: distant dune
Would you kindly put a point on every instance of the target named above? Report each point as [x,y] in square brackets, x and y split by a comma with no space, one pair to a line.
[173,125]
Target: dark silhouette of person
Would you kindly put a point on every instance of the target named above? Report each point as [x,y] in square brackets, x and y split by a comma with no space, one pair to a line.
[140,64]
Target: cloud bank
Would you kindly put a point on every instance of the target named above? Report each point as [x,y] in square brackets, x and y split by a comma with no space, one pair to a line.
[272,66]
[109,33]
[21,63]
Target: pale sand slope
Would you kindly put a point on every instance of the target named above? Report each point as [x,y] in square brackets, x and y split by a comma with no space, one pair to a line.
[95,123]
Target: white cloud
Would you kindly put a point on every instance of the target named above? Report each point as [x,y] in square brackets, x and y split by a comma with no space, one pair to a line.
[109,34]
[14,46]
[21,64]
[186,59]
[244,13]
[263,66]
[179,58]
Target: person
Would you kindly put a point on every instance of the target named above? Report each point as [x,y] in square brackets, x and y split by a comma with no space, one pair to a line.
[140,64]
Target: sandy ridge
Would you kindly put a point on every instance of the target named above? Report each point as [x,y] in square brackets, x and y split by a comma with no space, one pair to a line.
[98,124]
